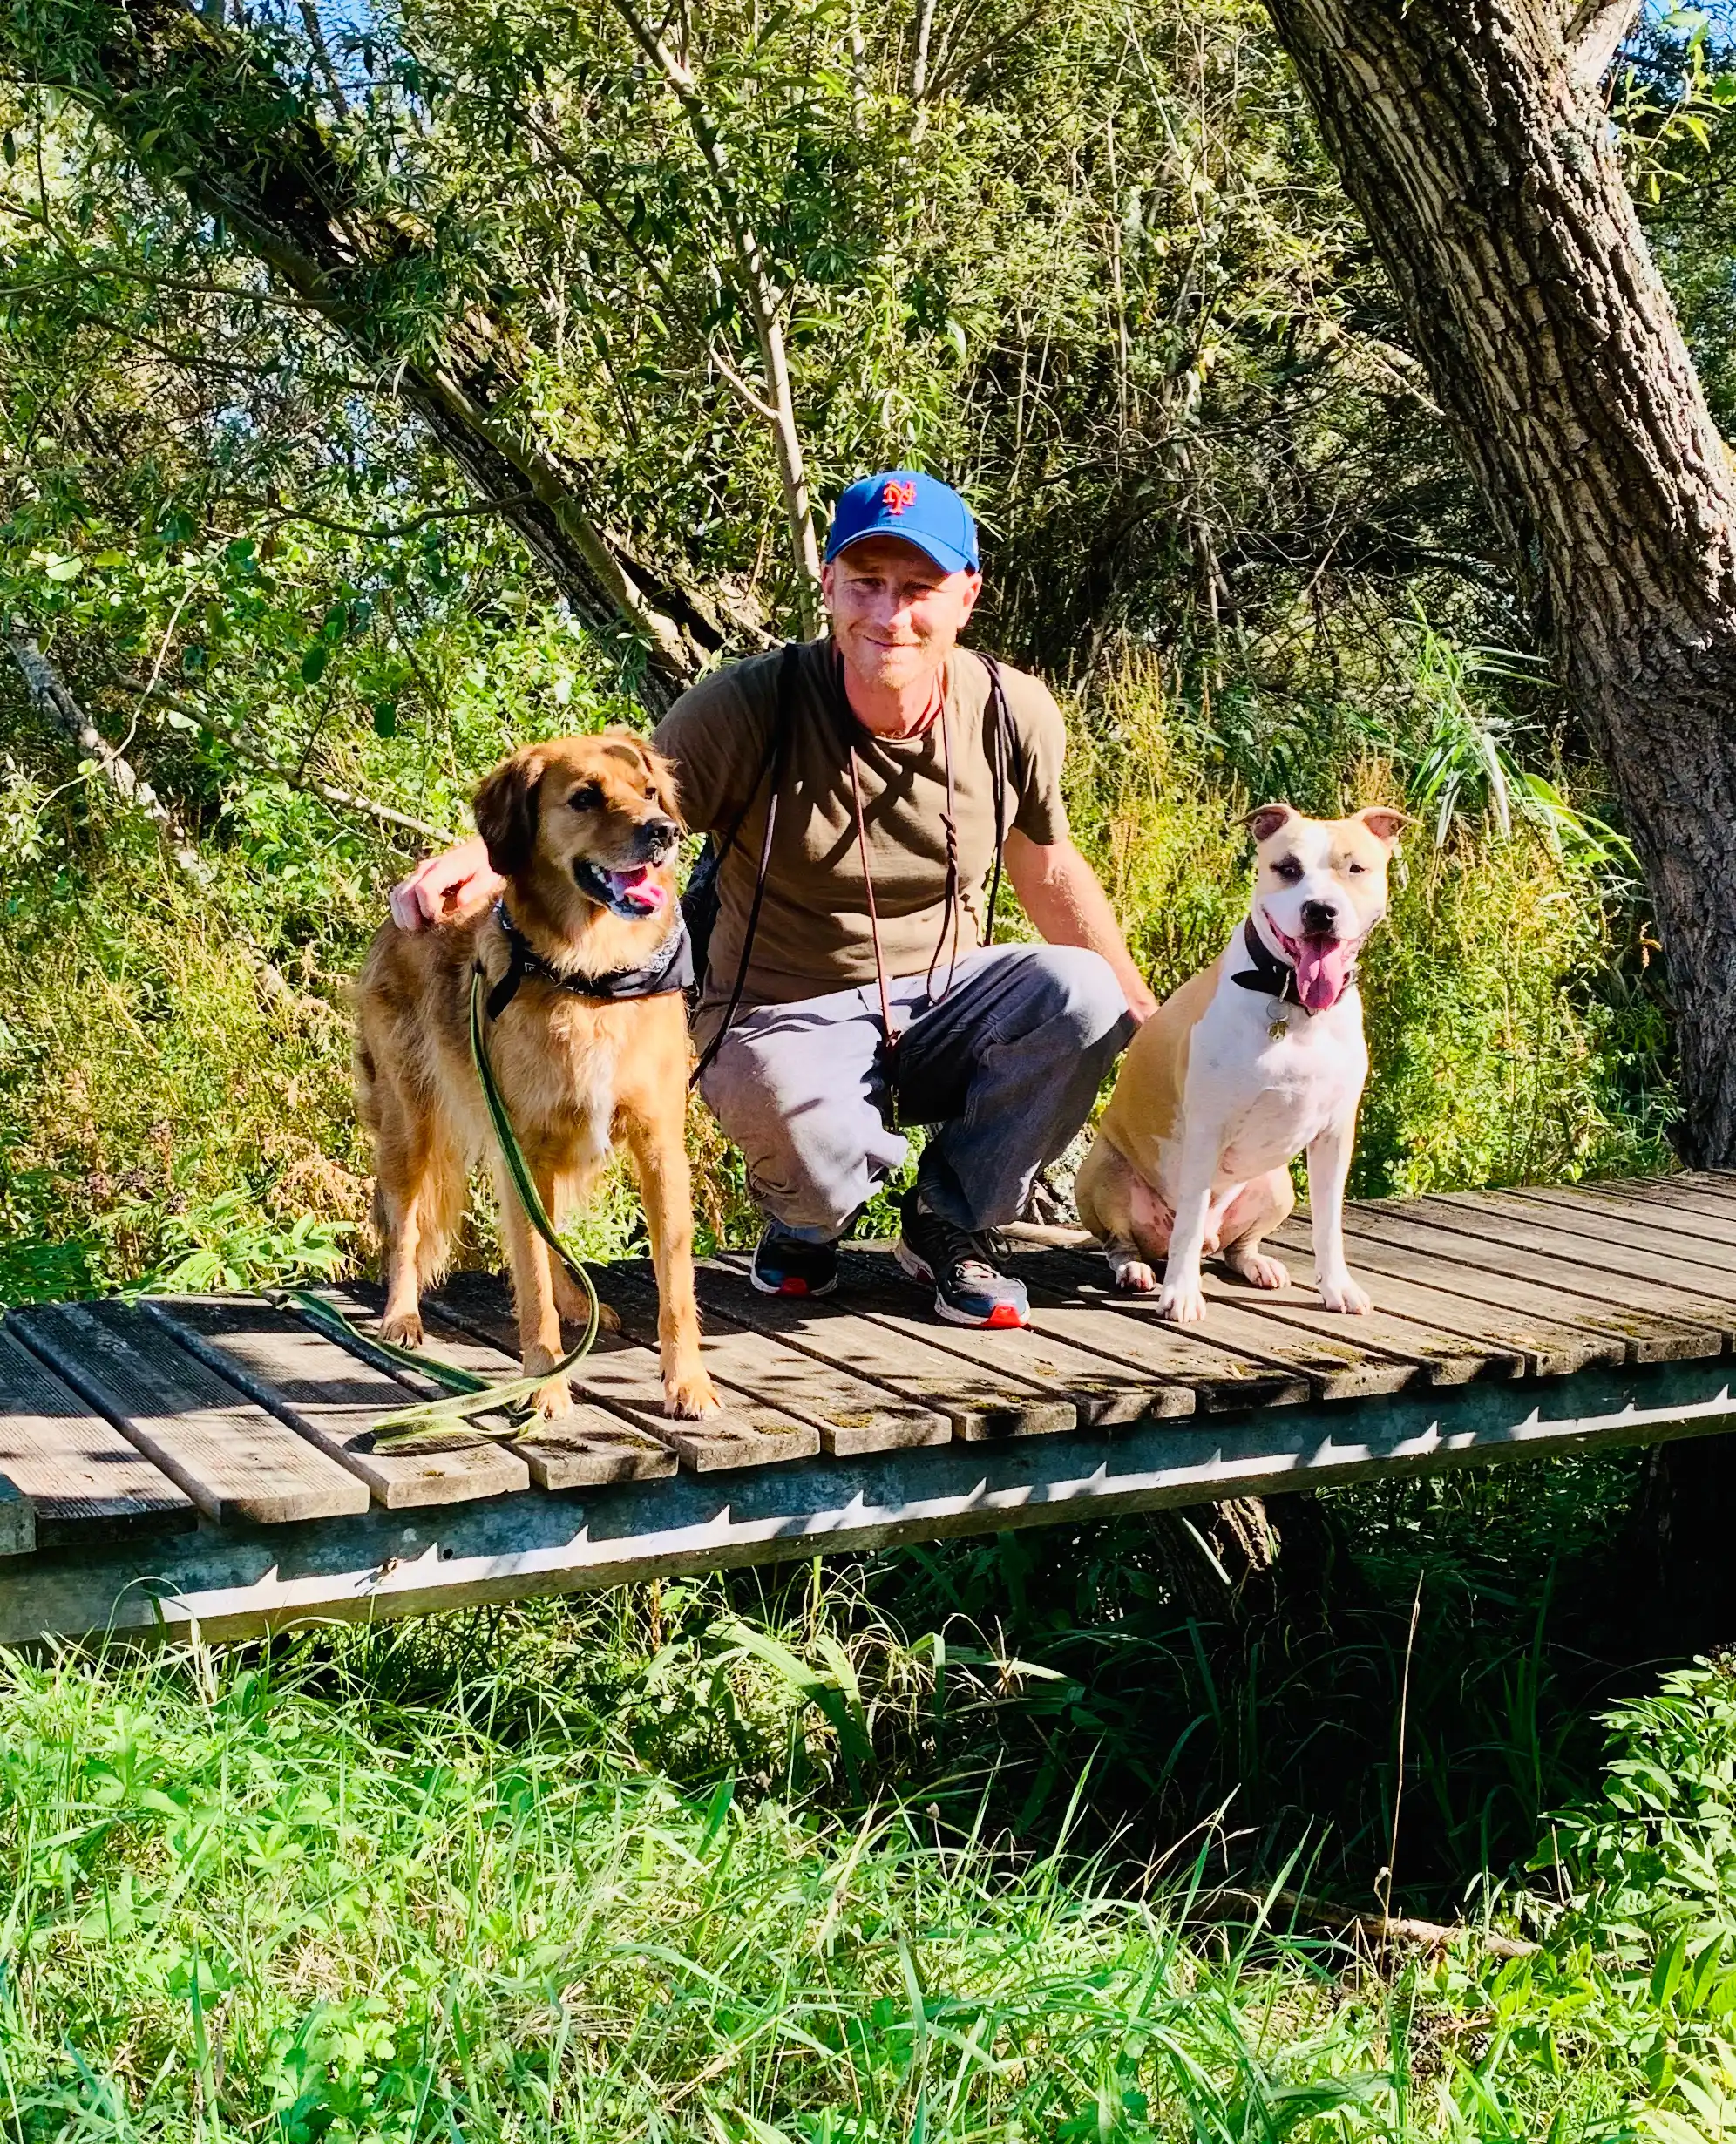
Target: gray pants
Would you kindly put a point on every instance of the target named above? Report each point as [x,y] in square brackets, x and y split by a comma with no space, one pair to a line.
[1008,1064]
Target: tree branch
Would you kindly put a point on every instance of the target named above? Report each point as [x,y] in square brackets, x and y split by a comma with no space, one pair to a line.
[247,747]
[383,532]
[290,200]
[761,298]
[1230,1903]
[1594,37]
[51,696]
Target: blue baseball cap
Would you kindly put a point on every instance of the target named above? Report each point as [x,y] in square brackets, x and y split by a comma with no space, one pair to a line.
[906,503]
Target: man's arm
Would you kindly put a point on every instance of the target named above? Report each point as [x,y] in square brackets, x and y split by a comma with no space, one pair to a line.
[1062,896]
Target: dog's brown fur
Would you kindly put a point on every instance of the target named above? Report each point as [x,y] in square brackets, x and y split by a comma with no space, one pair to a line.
[577,1074]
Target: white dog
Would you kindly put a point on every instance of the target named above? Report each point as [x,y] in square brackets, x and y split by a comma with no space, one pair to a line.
[1257,1058]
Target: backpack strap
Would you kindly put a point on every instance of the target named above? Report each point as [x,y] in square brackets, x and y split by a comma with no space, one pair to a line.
[783,723]
[1005,754]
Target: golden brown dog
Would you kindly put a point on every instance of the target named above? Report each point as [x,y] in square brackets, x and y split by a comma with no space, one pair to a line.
[584,831]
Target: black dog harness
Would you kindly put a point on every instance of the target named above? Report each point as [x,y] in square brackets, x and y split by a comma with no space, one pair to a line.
[1273,977]
[670,969]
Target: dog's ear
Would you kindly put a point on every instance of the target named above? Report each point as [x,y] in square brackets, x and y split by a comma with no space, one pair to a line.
[1385,822]
[506,807]
[1265,821]
[627,744]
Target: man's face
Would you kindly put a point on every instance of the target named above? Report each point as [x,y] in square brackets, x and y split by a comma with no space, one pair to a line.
[895,614]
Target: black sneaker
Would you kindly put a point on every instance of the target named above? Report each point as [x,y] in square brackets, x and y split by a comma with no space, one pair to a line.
[786,1265]
[967,1289]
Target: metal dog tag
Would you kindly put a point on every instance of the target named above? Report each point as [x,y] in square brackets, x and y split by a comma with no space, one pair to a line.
[1278,1021]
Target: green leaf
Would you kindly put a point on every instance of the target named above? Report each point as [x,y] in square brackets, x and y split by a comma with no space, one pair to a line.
[314,663]
[385,718]
[62,569]
[1668,1971]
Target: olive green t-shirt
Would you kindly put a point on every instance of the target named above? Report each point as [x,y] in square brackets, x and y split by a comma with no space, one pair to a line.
[814,934]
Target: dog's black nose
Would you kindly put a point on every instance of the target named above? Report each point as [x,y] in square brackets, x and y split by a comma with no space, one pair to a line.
[657,837]
[1320,920]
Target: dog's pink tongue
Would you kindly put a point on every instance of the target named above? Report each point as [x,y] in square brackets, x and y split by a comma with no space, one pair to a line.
[639,886]
[1322,969]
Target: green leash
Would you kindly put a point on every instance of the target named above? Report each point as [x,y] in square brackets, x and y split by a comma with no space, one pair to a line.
[437,1424]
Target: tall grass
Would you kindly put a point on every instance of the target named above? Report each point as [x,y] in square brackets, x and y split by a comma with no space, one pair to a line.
[266,1897]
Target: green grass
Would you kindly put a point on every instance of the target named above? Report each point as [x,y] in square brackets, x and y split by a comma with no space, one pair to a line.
[282,1896]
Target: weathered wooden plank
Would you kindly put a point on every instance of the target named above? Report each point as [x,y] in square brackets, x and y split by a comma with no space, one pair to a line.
[1546,1348]
[1113,1374]
[852,1414]
[239,1464]
[1333,1369]
[625,1379]
[1441,1354]
[1553,1343]
[385,1564]
[334,1397]
[1712,1205]
[84,1479]
[982,1401]
[1658,1323]
[1571,1226]
[587,1449]
[1107,1390]
[1685,1287]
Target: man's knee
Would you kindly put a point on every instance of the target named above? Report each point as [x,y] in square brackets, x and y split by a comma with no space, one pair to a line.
[1077,988]
[811,1161]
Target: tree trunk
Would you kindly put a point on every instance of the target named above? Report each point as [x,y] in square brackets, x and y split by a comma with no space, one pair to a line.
[1241,1562]
[1471,136]
[197,105]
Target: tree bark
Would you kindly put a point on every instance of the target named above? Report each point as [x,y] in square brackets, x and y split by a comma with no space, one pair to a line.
[198,105]
[1471,136]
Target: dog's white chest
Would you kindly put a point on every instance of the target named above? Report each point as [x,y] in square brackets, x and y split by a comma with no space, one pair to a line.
[1281,1081]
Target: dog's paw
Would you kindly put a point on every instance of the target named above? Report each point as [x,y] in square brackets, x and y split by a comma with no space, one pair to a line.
[401,1328]
[1260,1272]
[1341,1293]
[691,1399]
[574,1310]
[1182,1302]
[554,1399]
[1135,1277]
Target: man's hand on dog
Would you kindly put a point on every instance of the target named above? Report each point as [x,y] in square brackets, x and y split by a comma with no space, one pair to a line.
[448,888]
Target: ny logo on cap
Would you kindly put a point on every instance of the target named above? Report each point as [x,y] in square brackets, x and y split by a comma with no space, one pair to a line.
[895,497]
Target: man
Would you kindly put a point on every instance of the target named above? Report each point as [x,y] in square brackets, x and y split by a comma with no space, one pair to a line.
[866,991]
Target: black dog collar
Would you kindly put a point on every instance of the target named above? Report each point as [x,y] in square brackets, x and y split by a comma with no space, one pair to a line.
[1274,977]
[670,969]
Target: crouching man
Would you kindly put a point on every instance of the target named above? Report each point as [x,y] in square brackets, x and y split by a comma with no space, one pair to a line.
[864,994]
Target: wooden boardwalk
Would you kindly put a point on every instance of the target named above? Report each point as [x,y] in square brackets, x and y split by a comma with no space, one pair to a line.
[211,1461]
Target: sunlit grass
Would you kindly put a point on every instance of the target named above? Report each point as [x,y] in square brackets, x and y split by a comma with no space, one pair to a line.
[258,1899]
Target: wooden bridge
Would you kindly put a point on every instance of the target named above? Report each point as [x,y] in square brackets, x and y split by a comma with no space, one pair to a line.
[209,1461]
